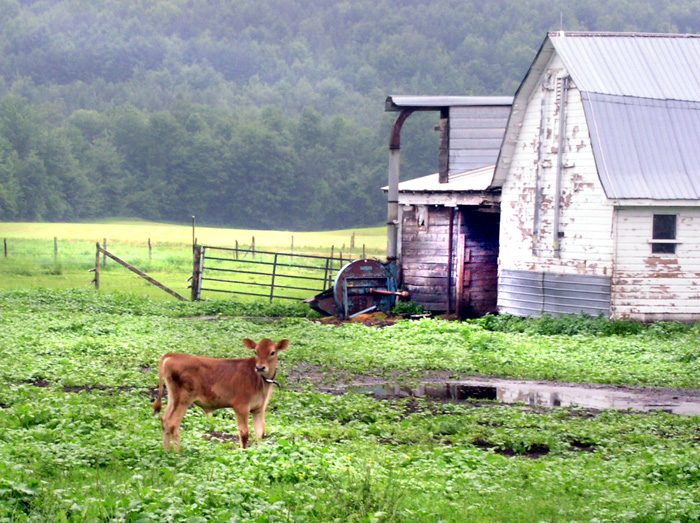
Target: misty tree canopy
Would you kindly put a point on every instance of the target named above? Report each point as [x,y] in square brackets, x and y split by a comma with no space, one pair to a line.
[253,113]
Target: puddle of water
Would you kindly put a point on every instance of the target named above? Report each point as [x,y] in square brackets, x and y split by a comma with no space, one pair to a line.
[535,394]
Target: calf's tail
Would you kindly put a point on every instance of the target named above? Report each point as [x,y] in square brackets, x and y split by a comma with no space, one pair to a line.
[159,399]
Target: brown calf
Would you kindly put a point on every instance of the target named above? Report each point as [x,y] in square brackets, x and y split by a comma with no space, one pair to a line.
[244,384]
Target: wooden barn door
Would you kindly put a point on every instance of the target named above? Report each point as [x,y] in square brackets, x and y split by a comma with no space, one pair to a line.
[476,263]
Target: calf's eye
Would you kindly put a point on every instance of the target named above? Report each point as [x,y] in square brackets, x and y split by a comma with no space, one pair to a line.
[272,353]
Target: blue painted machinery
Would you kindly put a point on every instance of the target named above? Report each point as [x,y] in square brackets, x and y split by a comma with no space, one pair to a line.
[360,287]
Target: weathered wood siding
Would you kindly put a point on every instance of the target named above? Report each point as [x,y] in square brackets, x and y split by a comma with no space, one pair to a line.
[475,136]
[469,277]
[527,241]
[424,256]
[650,286]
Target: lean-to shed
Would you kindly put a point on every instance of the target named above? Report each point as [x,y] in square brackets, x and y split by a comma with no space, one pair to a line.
[446,243]
[600,179]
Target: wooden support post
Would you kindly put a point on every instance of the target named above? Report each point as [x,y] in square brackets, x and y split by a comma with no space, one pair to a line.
[150,250]
[104,257]
[462,260]
[364,252]
[5,242]
[292,245]
[352,241]
[236,249]
[252,247]
[55,249]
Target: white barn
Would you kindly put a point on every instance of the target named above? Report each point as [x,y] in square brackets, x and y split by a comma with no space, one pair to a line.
[597,179]
[600,178]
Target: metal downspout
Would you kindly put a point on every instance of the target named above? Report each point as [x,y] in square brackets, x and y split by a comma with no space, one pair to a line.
[393,195]
[536,222]
[560,165]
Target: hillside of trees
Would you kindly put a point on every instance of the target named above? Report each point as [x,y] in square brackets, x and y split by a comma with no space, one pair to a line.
[253,113]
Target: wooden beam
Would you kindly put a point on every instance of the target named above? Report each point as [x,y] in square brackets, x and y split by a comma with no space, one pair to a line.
[140,273]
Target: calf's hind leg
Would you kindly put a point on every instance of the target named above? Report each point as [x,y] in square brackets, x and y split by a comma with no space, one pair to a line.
[171,426]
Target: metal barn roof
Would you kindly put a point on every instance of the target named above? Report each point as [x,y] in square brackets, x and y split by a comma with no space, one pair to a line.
[642,65]
[641,96]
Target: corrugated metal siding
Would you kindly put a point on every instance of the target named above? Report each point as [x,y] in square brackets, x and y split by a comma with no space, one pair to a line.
[476,134]
[529,293]
[645,148]
[665,67]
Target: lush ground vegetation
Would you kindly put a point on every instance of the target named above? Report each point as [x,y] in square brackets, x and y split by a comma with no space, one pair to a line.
[78,440]
[254,113]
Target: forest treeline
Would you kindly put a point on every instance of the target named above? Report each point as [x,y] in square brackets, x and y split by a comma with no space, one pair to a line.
[253,113]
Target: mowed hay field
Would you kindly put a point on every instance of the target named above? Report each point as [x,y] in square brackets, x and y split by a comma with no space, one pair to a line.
[136,232]
[59,255]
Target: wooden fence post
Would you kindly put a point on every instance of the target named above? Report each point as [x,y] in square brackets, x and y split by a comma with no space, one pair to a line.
[150,250]
[252,247]
[104,256]
[236,249]
[55,249]
[97,267]
[5,242]
[364,255]
[196,272]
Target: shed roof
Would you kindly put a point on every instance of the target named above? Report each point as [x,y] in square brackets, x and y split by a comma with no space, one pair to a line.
[469,181]
[641,96]
[398,102]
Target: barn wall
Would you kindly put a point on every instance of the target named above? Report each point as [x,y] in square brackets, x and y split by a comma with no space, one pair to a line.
[425,255]
[475,136]
[527,241]
[650,286]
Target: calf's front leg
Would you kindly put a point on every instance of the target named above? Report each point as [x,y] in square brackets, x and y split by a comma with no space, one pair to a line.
[259,424]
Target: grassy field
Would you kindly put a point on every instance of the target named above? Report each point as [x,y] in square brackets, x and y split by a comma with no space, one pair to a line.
[79,442]
[35,260]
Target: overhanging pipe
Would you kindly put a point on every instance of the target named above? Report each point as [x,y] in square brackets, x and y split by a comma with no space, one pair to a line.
[393,195]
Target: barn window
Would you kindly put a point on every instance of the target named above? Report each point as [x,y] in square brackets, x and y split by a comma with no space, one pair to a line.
[664,234]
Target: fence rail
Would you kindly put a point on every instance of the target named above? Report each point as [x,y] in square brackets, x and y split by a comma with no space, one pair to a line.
[286,276]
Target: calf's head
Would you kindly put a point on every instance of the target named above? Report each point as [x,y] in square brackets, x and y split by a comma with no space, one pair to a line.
[266,352]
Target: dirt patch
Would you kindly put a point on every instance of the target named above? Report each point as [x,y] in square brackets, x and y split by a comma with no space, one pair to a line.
[214,435]
[38,383]
[534,451]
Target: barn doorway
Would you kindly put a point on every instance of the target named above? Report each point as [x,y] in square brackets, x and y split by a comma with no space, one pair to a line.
[475,263]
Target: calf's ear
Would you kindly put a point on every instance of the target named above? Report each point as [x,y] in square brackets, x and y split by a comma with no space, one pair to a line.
[283,345]
[249,344]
